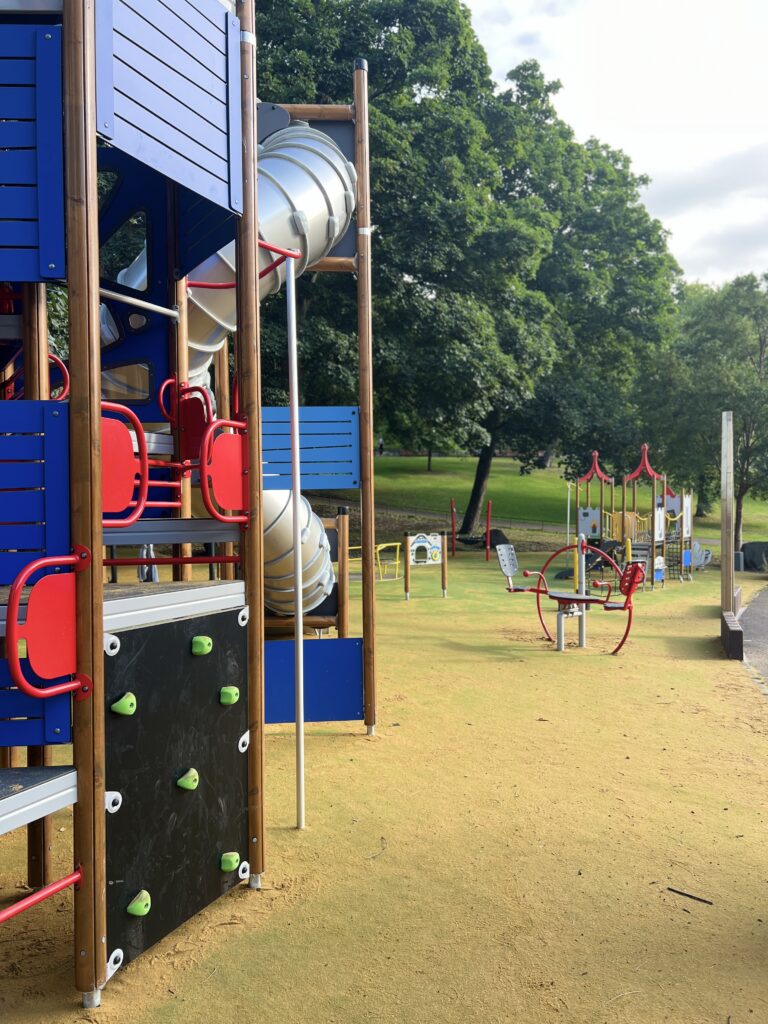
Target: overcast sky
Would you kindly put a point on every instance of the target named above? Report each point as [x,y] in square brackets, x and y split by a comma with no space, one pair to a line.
[679,85]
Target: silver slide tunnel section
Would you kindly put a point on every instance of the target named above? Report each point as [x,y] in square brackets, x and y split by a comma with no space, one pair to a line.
[306,197]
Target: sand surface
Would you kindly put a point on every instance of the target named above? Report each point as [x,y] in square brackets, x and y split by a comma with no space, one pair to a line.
[502,850]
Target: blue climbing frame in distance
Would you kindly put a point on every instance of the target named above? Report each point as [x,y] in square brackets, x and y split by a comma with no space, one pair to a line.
[168,91]
[34,522]
[329,438]
[31,154]
[333,681]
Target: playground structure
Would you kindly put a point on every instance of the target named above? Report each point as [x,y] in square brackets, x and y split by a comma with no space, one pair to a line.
[662,538]
[427,550]
[576,603]
[128,172]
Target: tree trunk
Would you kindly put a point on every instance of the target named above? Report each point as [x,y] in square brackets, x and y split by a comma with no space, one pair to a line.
[737,521]
[429,460]
[479,488]
[703,498]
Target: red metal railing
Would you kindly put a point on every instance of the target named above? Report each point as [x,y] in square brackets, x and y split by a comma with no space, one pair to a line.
[143,482]
[42,894]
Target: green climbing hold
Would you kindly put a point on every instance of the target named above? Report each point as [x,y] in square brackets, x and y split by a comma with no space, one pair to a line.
[229,861]
[229,695]
[140,905]
[189,780]
[126,705]
[202,645]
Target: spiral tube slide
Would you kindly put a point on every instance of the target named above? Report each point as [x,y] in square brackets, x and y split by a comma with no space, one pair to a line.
[317,569]
[306,192]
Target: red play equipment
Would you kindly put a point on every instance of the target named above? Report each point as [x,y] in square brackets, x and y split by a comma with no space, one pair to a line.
[574,603]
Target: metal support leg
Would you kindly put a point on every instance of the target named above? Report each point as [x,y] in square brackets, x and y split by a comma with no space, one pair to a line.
[92,1000]
[560,631]
[582,626]
[254,882]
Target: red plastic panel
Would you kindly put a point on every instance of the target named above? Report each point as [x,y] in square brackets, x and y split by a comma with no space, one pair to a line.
[119,465]
[50,626]
[227,471]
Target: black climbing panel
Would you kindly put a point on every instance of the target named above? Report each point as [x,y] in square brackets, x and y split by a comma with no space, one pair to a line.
[165,839]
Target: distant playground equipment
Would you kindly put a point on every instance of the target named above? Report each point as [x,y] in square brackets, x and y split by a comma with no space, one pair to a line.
[425,549]
[576,603]
[454,534]
[662,539]
[387,560]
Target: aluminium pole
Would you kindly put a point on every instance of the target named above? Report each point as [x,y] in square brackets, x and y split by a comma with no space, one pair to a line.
[298,594]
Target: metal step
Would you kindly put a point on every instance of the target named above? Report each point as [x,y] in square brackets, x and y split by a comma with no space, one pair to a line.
[28,794]
[172,531]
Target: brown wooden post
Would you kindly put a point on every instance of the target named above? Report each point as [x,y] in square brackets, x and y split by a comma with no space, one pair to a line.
[85,489]
[221,372]
[248,358]
[407,565]
[37,388]
[181,349]
[365,340]
[444,565]
[342,533]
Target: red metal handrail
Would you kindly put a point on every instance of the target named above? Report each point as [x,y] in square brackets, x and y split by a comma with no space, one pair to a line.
[42,894]
[80,560]
[61,366]
[141,442]
[282,254]
[205,491]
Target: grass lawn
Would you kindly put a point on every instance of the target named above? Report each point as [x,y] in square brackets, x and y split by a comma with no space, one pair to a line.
[538,497]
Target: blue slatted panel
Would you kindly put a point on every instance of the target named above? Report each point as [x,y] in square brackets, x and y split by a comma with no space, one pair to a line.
[31,154]
[330,448]
[168,91]
[333,681]
[34,483]
[34,521]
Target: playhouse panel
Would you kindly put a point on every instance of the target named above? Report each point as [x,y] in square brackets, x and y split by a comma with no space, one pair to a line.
[168,92]
[165,839]
[333,681]
[329,438]
[31,154]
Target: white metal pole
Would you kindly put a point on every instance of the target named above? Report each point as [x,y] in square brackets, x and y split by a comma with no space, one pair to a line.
[582,589]
[568,517]
[298,641]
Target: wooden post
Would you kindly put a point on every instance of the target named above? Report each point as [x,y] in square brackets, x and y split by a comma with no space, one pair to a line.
[248,359]
[37,388]
[221,372]
[727,524]
[365,342]
[407,565]
[85,489]
[624,511]
[181,348]
[444,566]
[342,533]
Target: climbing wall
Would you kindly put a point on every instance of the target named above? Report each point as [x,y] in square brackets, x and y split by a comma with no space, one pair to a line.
[175,754]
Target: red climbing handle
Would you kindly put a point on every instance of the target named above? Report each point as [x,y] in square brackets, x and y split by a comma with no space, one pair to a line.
[61,366]
[14,631]
[206,448]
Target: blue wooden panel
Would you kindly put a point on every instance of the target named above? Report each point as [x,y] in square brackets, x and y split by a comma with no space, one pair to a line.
[17,202]
[168,91]
[22,474]
[31,154]
[23,537]
[33,721]
[686,559]
[21,506]
[329,439]
[333,681]
[21,418]
[21,446]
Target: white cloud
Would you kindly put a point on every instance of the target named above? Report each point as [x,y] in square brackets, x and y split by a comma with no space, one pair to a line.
[680,85]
